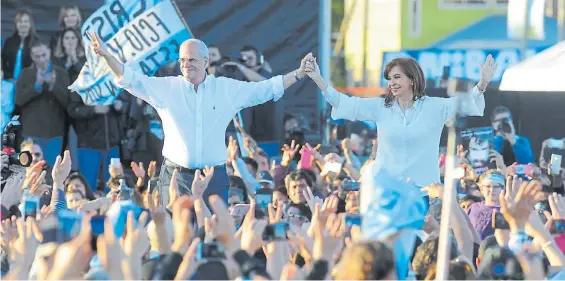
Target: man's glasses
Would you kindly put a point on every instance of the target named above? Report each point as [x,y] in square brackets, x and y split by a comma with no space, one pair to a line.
[185,60]
[294,216]
[493,186]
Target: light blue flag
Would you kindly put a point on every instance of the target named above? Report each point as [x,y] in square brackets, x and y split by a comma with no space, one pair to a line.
[391,205]
[143,35]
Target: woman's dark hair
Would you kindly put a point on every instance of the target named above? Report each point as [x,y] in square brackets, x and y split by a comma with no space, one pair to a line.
[237,182]
[60,50]
[76,175]
[412,69]
[311,175]
[298,175]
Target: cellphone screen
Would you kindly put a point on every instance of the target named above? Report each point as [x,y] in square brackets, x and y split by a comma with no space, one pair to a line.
[210,251]
[277,231]
[556,163]
[353,219]
[263,200]
[152,185]
[351,186]
[306,159]
[30,208]
[97,225]
[500,222]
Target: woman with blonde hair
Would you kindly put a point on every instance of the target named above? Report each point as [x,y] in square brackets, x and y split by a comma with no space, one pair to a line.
[69,17]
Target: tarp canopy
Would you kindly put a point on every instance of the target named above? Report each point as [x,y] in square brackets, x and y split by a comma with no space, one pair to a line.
[544,72]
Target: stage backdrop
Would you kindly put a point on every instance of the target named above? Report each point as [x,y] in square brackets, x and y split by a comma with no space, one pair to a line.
[284,30]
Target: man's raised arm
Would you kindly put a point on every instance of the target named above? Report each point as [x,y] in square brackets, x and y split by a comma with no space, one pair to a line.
[292,77]
[100,50]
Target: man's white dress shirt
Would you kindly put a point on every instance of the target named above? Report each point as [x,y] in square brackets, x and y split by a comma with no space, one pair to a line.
[408,142]
[195,123]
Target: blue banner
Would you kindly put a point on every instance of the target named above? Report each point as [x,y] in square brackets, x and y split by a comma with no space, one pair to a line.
[141,34]
[463,63]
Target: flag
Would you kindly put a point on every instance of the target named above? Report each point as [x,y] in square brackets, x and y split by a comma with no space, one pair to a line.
[389,206]
[141,34]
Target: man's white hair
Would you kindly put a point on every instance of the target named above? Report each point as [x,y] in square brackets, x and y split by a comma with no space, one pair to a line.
[201,46]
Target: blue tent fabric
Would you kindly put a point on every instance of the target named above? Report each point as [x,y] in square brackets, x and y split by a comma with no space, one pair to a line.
[370,125]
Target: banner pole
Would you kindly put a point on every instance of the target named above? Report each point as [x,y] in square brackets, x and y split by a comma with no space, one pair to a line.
[182,18]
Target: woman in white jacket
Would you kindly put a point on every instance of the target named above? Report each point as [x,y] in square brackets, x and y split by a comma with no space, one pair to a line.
[410,123]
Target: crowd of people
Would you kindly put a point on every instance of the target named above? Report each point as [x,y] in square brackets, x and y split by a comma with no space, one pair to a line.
[366,207]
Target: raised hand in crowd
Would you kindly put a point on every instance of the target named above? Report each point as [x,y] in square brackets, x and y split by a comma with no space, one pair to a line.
[289,152]
[152,170]
[139,171]
[12,192]
[250,145]
[201,180]
[518,200]
[22,249]
[497,158]
[62,167]
[71,258]
[316,155]
[115,171]
[233,150]
[174,192]
[311,199]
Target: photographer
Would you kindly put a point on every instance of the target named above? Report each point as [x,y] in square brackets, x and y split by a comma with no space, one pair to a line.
[251,65]
[514,148]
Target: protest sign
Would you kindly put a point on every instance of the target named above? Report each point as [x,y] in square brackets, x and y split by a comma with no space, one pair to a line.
[143,35]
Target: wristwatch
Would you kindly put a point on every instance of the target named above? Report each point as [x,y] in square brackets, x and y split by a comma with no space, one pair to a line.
[296,76]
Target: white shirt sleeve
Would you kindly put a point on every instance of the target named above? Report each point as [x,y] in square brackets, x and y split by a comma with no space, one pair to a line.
[153,90]
[472,104]
[353,108]
[246,94]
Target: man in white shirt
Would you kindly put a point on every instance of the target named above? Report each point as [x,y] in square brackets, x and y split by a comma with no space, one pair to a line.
[195,109]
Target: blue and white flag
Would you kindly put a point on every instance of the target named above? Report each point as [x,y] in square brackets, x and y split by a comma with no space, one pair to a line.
[141,34]
[390,206]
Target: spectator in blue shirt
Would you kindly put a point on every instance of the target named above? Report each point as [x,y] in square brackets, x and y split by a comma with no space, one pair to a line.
[514,148]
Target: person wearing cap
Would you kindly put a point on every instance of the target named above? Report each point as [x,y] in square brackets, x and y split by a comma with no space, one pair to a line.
[491,183]
[266,180]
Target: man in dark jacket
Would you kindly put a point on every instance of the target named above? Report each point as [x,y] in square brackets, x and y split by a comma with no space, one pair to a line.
[98,131]
[43,99]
